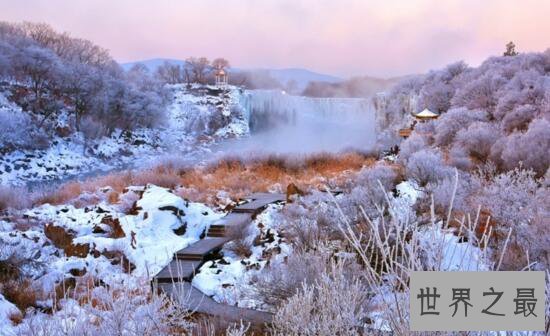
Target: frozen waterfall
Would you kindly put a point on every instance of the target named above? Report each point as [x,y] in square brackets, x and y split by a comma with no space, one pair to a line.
[284,123]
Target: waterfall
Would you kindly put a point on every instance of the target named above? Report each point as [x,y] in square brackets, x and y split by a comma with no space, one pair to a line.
[286,123]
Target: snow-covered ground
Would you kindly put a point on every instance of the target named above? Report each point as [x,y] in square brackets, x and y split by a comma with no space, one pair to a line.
[109,240]
[7,310]
[228,280]
[196,118]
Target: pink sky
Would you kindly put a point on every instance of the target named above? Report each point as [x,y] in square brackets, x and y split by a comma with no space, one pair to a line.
[340,37]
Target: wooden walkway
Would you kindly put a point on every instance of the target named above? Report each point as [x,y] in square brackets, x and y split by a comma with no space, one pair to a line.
[175,278]
[259,202]
[196,301]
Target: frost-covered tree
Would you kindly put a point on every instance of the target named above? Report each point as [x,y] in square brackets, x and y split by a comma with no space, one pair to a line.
[413,144]
[170,73]
[454,120]
[39,68]
[530,149]
[478,139]
[17,130]
[427,166]
[50,72]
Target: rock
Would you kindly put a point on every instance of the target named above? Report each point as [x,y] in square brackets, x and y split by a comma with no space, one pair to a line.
[100,210]
[118,258]
[78,272]
[139,142]
[98,230]
[77,250]
[181,230]
[64,240]
[63,131]
[116,230]
[175,210]
[222,261]
[291,190]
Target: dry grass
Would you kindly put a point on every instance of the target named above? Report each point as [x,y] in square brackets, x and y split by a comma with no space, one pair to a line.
[21,293]
[64,240]
[61,195]
[237,176]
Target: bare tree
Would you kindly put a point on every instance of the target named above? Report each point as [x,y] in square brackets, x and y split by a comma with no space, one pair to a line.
[220,63]
[199,68]
[170,73]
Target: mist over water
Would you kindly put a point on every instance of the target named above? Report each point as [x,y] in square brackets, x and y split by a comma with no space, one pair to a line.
[285,124]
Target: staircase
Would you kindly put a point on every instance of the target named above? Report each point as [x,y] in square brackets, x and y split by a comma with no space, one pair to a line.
[175,278]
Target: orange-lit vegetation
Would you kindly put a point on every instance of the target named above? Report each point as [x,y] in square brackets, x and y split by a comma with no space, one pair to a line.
[236,176]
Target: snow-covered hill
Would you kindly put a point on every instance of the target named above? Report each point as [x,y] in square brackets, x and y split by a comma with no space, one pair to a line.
[196,117]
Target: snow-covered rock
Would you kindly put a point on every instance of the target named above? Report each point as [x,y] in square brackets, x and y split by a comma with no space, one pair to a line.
[161,224]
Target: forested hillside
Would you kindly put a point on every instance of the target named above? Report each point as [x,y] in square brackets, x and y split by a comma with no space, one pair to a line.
[65,84]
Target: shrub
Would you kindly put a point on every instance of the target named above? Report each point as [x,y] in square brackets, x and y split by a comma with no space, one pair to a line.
[127,201]
[459,158]
[279,282]
[530,149]
[112,311]
[478,139]
[240,243]
[427,166]
[377,180]
[519,118]
[413,144]
[332,305]
[443,193]
[511,197]
[309,221]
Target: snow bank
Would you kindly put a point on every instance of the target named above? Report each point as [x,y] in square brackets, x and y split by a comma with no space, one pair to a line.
[7,309]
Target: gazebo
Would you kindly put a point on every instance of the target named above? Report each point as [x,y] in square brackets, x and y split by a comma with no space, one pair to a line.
[222,77]
[422,116]
[426,115]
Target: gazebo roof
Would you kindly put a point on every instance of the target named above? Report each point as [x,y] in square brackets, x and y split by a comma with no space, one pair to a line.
[426,114]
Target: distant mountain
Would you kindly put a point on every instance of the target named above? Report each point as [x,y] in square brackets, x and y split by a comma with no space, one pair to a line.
[152,64]
[298,79]
[293,78]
